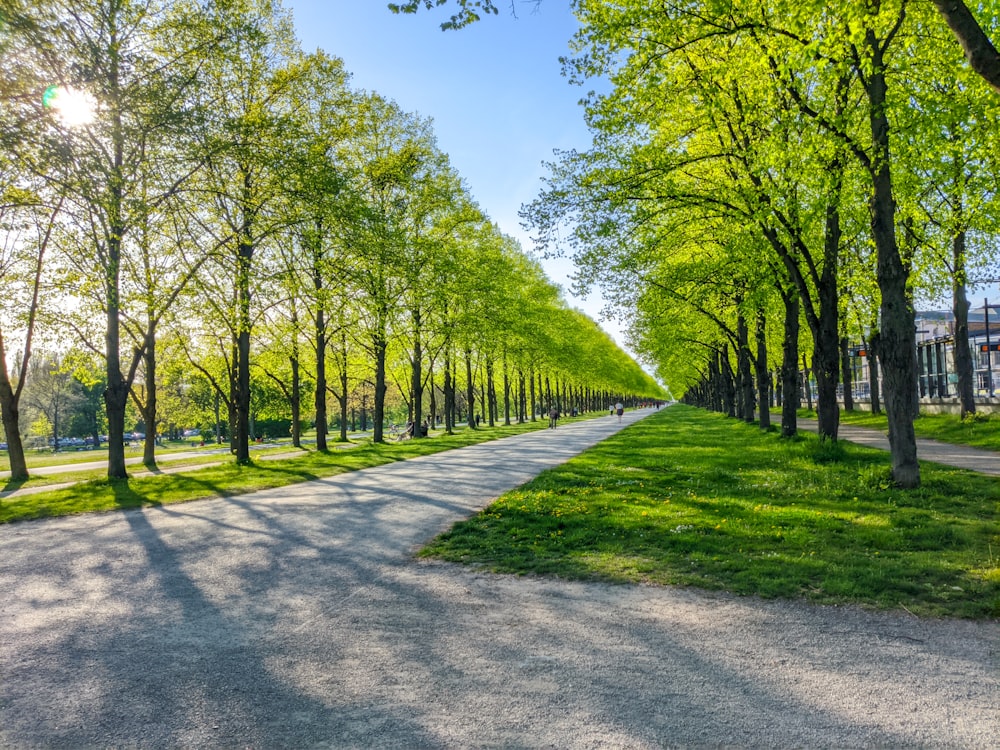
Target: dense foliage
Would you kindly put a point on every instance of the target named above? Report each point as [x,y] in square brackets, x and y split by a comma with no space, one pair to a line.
[227,232]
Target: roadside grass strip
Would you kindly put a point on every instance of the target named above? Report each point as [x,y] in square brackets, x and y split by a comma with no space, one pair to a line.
[690,498]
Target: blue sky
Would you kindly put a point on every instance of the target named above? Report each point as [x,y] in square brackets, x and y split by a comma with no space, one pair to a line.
[495,91]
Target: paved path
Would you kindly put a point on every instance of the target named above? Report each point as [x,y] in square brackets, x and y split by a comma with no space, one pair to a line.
[299,618]
[960,456]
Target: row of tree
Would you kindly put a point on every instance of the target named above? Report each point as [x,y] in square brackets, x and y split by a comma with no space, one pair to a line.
[758,164]
[180,177]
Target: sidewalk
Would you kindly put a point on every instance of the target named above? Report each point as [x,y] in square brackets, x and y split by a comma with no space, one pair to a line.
[299,617]
[959,456]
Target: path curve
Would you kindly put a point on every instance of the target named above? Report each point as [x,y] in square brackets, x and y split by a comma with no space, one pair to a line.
[299,618]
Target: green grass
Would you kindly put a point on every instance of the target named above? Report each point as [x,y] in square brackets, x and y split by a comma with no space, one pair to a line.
[689,498]
[980,431]
[94,492]
[47,457]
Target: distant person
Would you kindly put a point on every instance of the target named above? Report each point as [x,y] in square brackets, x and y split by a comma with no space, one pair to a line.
[553,417]
[619,410]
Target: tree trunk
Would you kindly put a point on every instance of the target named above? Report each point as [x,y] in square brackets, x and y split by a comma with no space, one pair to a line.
[432,406]
[470,390]
[506,391]
[763,374]
[531,378]
[149,407]
[342,399]
[897,344]
[826,333]
[9,412]
[522,400]
[960,307]
[790,399]
[417,375]
[378,418]
[241,396]
[744,369]
[319,396]
[978,49]
[296,401]
[491,394]
[449,394]
[728,383]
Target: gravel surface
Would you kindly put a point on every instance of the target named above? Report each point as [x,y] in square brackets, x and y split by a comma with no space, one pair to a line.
[299,618]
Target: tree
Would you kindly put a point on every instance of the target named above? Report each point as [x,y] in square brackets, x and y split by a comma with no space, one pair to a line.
[21,262]
[251,92]
[129,68]
[53,392]
[321,132]
[392,156]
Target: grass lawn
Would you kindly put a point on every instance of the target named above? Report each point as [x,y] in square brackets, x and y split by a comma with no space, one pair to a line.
[40,458]
[194,483]
[686,497]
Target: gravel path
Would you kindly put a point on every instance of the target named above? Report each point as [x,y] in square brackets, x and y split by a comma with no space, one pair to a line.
[298,618]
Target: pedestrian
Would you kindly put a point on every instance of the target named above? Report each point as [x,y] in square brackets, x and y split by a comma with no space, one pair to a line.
[619,410]
[553,417]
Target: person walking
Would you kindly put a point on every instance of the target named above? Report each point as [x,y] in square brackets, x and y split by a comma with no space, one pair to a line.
[553,417]
[619,410]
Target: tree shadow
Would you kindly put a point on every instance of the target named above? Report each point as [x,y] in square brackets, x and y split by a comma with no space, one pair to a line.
[12,485]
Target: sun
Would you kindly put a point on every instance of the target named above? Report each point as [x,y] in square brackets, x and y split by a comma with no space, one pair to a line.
[73,107]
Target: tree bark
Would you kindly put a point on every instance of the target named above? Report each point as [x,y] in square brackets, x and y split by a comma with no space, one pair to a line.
[960,307]
[790,399]
[745,376]
[449,394]
[470,390]
[897,344]
[417,374]
[296,400]
[531,378]
[241,394]
[319,395]
[506,391]
[10,414]
[728,383]
[149,407]
[378,418]
[763,377]
[491,394]
[978,49]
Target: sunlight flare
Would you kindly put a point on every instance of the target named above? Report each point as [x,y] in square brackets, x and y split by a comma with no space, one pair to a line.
[73,107]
